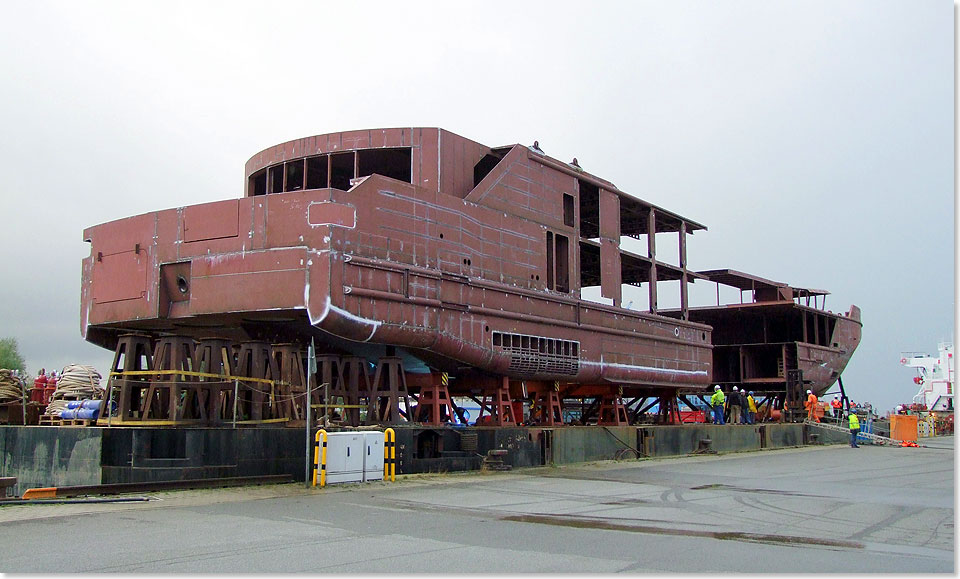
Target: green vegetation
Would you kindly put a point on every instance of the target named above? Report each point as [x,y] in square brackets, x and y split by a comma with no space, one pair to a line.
[10,357]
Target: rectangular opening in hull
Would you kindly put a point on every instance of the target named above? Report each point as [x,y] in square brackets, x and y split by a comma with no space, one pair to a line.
[393,163]
[276,179]
[563,263]
[341,170]
[294,175]
[317,172]
[589,210]
[258,183]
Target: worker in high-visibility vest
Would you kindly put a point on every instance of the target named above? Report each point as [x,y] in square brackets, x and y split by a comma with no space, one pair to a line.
[751,409]
[854,429]
[716,402]
[811,406]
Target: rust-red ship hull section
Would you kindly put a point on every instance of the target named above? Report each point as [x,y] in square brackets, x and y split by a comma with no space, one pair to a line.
[755,344]
[385,263]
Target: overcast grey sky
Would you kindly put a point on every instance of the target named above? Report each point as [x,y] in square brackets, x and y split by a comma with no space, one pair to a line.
[814,138]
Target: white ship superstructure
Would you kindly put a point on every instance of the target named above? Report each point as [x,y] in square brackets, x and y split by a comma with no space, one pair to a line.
[935,377]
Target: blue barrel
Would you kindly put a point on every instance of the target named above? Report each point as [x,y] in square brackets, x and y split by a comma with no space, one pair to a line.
[81,410]
[87,413]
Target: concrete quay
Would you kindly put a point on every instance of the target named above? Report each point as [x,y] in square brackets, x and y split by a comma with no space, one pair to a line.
[827,509]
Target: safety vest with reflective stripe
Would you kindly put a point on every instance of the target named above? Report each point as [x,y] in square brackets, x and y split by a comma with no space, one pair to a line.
[717,398]
[854,422]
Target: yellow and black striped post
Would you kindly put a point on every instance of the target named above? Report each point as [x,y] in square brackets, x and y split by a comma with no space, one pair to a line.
[320,458]
[389,455]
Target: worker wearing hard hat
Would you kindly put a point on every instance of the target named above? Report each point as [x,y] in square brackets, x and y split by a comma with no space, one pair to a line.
[811,406]
[854,429]
[837,407]
[735,405]
[716,403]
[751,409]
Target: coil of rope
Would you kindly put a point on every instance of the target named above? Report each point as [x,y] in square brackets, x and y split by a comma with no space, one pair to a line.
[11,387]
[76,382]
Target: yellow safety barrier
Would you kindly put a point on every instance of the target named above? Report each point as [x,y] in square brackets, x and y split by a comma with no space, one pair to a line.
[320,458]
[389,455]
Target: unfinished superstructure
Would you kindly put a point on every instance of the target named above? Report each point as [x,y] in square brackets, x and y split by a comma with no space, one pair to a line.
[424,265]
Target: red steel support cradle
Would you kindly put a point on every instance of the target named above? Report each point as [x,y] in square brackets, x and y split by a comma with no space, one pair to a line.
[357,386]
[389,386]
[328,384]
[293,382]
[134,353]
[551,407]
[668,409]
[213,403]
[434,406]
[255,360]
[162,401]
[499,400]
[612,411]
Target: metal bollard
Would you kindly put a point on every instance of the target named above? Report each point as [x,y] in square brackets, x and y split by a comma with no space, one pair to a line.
[320,458]
[389,455]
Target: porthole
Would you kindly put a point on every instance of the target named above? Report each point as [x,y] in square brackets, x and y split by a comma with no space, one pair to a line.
[182,284]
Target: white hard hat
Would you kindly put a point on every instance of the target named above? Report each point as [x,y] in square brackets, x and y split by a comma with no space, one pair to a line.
[734,388]
[717,387]
[809,392]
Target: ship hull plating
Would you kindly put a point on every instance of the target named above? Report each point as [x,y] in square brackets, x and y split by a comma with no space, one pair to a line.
[288,274]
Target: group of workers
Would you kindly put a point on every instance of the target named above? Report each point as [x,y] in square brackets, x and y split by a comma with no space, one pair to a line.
[741,408]
[739,405]
[837,407]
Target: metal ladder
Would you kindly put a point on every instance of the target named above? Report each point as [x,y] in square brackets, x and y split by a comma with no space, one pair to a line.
[873,438]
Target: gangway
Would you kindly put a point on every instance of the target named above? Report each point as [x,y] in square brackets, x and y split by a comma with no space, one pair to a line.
[873,438]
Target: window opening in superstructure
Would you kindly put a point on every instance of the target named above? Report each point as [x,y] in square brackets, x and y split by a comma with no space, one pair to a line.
[568,210]
[341,170]
[549,260]
[258,183]
[563,263]
[589,264]
[589,210]
[294,175]
[484,166]
[317,172]
[558,262]
[393,163]
[276,179]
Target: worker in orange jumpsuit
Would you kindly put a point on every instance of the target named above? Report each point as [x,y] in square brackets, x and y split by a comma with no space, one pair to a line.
[837,408]
[811,406]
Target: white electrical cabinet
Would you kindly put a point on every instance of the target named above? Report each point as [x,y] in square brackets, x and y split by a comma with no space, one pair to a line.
[354,456]
[373,456]
[345,452]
